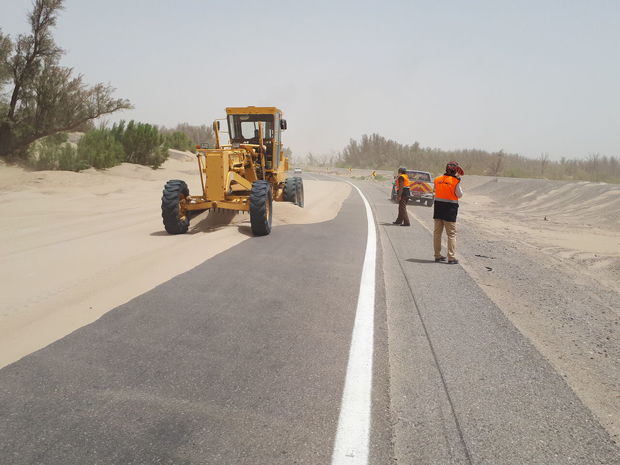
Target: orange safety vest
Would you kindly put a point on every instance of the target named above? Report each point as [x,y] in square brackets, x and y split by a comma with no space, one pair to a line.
[405,181]
[445,187]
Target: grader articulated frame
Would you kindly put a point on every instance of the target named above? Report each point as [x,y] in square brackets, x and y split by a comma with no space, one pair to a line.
[247,174]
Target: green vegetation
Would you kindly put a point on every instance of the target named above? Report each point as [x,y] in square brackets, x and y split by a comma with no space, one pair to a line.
[101,148]
[186,136]
[40,98]
[54,153]
[376,152]
[142,143]
[179,141]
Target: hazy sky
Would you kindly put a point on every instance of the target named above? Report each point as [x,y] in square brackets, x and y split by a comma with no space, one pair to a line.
[522,76]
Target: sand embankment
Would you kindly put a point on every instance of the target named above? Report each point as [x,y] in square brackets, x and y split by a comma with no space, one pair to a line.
[548,254]
[75,245]
[578,222]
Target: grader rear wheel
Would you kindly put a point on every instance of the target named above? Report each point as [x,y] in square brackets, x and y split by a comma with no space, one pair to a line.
[176,220]
[299,192]
[261,213]
[290,190]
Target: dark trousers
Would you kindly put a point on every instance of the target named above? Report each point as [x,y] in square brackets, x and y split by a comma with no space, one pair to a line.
[403,217]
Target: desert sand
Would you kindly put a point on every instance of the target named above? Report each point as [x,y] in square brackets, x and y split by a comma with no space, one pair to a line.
[548,254]
[75,245]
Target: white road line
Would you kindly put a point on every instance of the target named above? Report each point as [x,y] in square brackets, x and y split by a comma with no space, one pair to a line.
[353,434]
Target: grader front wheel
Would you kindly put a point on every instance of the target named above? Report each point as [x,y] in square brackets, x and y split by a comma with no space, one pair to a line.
[176,219]
[261,213]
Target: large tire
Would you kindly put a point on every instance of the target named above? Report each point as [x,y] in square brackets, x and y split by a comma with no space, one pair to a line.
[299,196]
[290,190]
[175,191]
[261,212]
[429,203]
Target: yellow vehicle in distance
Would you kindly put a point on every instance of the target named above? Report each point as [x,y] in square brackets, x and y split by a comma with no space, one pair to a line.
[247,174]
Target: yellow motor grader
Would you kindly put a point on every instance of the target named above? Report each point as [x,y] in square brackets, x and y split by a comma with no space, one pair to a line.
[247,174]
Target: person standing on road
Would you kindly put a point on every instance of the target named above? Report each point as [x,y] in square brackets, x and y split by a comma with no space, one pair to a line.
[447,194]
[402,194]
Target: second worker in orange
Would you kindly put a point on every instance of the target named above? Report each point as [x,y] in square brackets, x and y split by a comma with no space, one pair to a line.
[402,193]
[447,194]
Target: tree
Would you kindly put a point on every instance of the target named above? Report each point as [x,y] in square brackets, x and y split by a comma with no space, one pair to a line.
[5,51]
[179,140]
[142,143]
[198,134]
[496,167]
[311,160]
[100,149]
[544,161]
[45,98]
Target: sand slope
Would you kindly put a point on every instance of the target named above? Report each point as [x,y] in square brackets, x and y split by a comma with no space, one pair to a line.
[576,221]
[75,245]
[557,279]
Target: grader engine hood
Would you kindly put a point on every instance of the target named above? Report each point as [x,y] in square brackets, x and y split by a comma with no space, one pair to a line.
[227,171]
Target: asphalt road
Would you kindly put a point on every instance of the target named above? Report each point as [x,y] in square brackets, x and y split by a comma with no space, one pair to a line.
[466,387]
[242,360]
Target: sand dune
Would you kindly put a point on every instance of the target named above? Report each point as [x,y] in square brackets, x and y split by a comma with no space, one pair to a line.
[75,245]
[577,221]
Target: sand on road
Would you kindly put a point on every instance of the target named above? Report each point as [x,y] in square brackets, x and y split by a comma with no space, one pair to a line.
[75,245]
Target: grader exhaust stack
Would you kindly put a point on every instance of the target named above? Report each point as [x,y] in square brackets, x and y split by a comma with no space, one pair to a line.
[247,174]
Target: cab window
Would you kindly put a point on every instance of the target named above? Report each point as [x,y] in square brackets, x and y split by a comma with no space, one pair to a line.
[244,128]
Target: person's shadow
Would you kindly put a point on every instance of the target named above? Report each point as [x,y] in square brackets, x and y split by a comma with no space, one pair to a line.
[419,260]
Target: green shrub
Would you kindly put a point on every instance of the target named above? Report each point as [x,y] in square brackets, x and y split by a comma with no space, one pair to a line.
[196,134]
[179,141]
[54,153]
[100,149]
[143,144]
[68,159]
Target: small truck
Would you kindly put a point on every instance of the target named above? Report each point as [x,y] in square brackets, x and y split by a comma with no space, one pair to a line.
[420,188]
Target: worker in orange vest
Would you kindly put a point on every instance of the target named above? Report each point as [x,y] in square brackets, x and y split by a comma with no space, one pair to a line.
[402,194]
[447,194]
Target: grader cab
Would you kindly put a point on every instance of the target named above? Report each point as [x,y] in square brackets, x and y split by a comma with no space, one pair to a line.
[247,174]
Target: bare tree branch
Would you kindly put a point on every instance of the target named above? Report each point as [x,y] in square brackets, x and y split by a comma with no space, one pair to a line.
[45,98]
